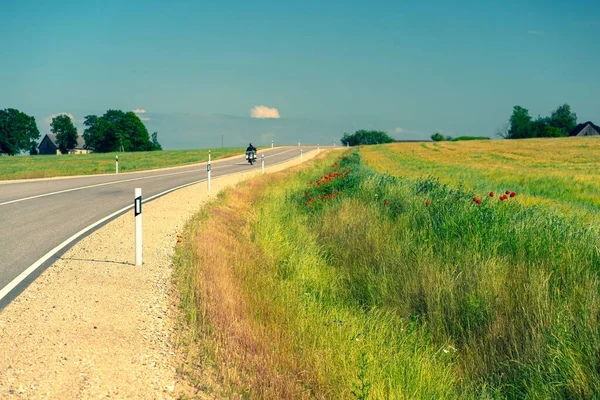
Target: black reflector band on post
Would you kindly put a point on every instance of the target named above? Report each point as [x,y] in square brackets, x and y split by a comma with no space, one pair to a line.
[138,205]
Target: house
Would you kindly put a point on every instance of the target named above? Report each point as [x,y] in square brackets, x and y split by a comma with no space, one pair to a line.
[586,129]
[49,145]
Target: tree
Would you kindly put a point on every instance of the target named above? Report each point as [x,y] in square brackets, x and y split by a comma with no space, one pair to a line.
[538,127]
[563,119]
[18,132]
[520,123]
[362,137]
[100,135]
[33,151]
[438,137]
[66,133]
[133,133]
[117,131]
[503,131]
[155,145]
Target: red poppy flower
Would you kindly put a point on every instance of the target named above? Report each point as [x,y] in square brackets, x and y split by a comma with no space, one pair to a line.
[386,203]
[478,201]
[513,194]
[311,199]
[491,194]
[507,192]
[427,203]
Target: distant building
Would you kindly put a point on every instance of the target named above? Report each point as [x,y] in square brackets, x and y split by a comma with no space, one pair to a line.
[49,145]
[586,129]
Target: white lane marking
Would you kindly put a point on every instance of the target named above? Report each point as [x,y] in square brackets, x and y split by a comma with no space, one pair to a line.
[111,183]
[23,275]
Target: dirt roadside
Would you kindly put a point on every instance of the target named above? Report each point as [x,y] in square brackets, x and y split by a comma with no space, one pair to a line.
[95,326]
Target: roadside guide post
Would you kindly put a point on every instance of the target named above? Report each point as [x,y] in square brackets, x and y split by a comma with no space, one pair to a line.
[117,163]
[137,211]
[271,144]
[208,170]
[298,143]
[262,162]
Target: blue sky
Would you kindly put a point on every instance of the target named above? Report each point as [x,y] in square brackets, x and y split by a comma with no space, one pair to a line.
[198,69]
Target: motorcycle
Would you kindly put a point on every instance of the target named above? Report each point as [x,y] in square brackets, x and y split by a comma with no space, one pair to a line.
[251,157]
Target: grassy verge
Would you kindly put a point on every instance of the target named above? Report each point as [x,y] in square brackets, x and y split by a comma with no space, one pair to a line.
[103,163]
[340,282]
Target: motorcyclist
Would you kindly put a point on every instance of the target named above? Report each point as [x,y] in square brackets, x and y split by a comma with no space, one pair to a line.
[250,148]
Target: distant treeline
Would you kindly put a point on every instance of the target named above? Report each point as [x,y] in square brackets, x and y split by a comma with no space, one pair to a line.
[114,131]
[560,123]
[118,131]
[438,137]
[362,137]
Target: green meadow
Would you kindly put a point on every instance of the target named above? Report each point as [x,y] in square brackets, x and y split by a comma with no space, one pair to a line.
[47,166]
[391,272]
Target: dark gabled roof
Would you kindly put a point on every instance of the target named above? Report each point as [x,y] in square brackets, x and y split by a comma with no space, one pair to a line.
[580,127]
[80,141]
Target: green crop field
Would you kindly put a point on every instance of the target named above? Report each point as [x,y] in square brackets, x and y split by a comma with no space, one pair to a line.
[391,272]
[47,166]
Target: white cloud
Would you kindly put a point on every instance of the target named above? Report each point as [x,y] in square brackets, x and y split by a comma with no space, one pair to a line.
[399,130]
[139,111]
[264,112]
[49,119]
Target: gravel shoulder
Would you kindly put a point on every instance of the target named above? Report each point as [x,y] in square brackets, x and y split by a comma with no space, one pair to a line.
[95,326]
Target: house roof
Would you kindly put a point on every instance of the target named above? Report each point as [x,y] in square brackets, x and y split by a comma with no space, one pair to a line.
[580,127]
[80,141]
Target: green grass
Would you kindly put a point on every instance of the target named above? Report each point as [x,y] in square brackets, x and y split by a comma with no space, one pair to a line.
[561,174]
[47,166]
[460,138]
[372,293]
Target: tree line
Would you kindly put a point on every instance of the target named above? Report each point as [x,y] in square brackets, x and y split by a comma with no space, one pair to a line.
[560,123]
[114,131]
[364,137]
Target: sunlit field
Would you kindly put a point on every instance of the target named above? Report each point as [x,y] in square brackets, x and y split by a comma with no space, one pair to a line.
[455,275]
[46,166]
[562,172]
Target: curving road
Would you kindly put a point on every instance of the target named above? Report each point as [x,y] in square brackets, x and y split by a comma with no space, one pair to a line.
[41,219]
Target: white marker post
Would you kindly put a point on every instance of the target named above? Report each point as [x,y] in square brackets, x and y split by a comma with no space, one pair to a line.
[208,170]
[117,163]
[333,144]
[137,209]
[298,143]
[300,155]
[271,144]
[262,162]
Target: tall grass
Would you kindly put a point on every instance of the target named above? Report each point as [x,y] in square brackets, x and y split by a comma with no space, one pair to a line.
[340,282]
[46,166]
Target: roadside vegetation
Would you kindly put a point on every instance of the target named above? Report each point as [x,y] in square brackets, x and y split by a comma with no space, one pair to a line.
[47,166]
[561,174]
[338,281]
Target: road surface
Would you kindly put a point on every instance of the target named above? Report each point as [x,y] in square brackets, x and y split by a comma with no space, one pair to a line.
[41,219]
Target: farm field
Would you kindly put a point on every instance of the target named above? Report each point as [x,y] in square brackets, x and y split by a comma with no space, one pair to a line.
[561,173]
[48,166]
[391,272]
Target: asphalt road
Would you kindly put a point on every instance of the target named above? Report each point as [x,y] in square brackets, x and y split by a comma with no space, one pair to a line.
[45,216]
